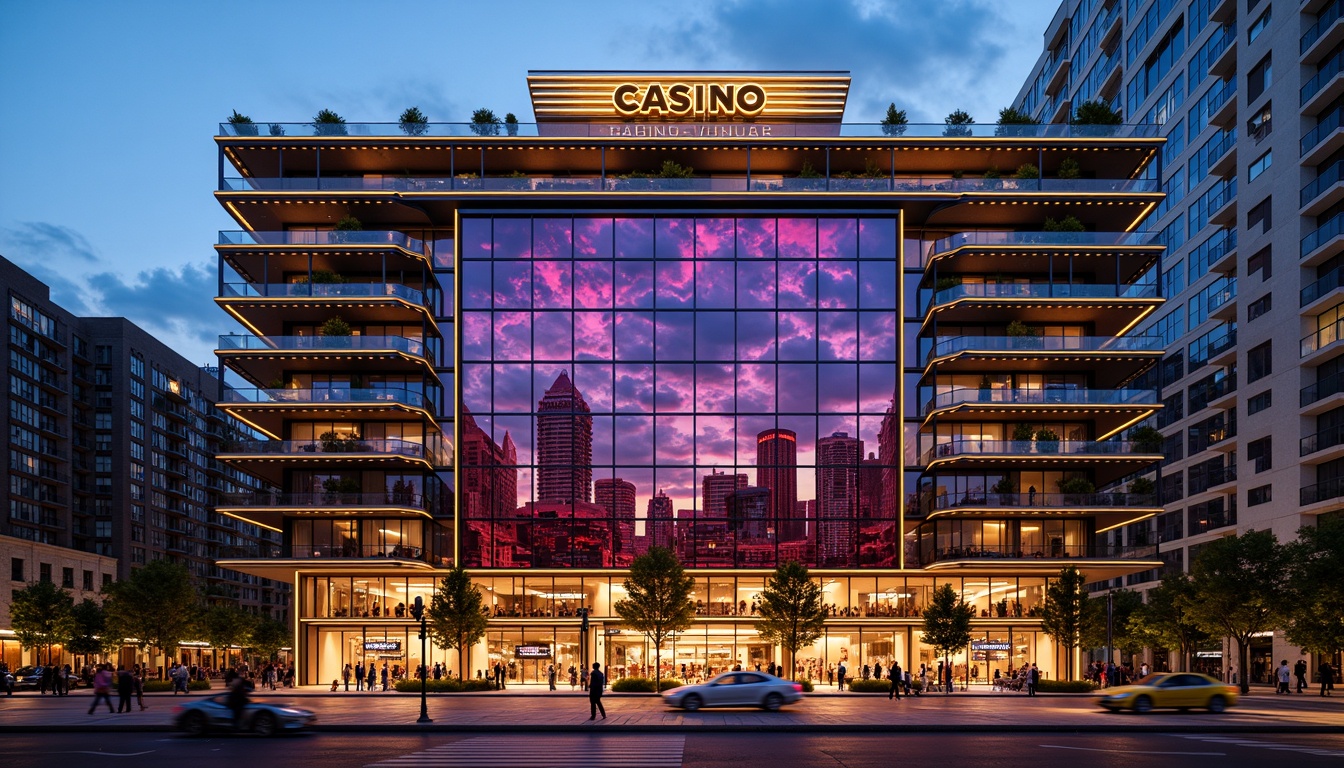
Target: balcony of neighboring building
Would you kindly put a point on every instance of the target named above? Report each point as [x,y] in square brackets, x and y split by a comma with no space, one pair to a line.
[268,459]
[1323,192]
[1107,409]
[269,508]
[1325,85]
[1322,447]
[1323,292]
[1323,140]
[263,359]
[1323,342]
[1222,51]
[1326,32]
[1106,459]
[1322,495]
[268,409]
[1323,242]
[1326,394]
[1111,359]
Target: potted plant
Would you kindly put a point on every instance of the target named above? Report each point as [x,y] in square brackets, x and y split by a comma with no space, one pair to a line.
[336,331]
[321,277]
[484,122]
[1011,122]
[344,226]
[511,124]
[413,122]
[276,129]
[1146,440]
[1069,223]
[944,283]
[1047,440]
[242,124]
[1076,486]
[1027,337]
[1022,433]
[328,123]
[1097,118]
[894,122]
[1006,490]
[1142,486]
[515,180]
[811,178]
[958,123]
[1027,171]
[1068,169]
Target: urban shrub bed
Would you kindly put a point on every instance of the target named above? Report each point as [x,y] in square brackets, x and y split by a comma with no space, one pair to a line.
[644,685]
[1065,686]
[869,686]
[165,686]
[445,686]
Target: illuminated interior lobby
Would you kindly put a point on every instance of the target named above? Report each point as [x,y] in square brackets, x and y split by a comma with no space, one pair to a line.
[694,310]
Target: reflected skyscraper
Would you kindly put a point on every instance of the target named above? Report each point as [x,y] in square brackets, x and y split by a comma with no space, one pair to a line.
[564,444]
[617,496]
[658,526]
[837,496]
[777,470]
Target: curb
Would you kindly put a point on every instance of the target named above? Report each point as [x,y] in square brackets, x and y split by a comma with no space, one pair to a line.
[719,728]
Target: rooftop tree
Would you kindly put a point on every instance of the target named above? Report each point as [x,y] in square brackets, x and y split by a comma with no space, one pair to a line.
[328,123]
[894,122]
[413,122]
[958,123]
[484,122]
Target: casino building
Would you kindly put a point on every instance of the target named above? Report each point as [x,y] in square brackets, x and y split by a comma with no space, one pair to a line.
[693,310]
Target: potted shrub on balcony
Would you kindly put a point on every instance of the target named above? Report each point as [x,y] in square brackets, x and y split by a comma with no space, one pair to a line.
[336,331]
[1146,440]
[321,277]
[1027,171]
[242,124]
[1069,223]
[1047,440]
[515,180]
[1006,489]
[1025,336]
[1075,486]
[1068,169]
[344,227]
[341,490]
[958,123]
[991,179]
[1142,486]
[276,129]
[511,124]
[946,283]
[484,122]
[1013,122]
[809,178]
[894,122]
[1097,117]
[1022,434]
[413,122]
[328,123]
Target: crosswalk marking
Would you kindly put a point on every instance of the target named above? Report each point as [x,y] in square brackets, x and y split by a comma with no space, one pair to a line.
[1274,745]
[548,751]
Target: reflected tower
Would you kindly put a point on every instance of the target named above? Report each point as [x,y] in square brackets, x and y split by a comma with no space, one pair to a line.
[564,444]
[777,470]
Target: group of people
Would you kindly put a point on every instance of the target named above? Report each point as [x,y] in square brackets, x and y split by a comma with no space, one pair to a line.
[1025,679]
[1284,677]
[129,683]
[1108,673]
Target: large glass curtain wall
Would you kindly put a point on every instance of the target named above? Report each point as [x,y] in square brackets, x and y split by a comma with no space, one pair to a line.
[670,347]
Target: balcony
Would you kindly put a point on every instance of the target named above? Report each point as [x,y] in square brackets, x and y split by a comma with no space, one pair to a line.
[1324,87]
[1323,242]
[325,238]
[243,342]
[949,346]
[1322,36]
[268,509]
[1326,445]
[1220,477]
[327,552]
[1322,339]
[1324,395]
[1323,288]
[1222,53]
[1323,192]
[332,395]
[1223,205]
[269,408]
[355,449]
[1065,397]
[1323,491]
[324,291]
[268,133]
[1322,141]
[1043,551]
[1107,460]
[1042,240]
[1222,154]
[1108,509]
[1222,303]
[1222,104]
[1047,291]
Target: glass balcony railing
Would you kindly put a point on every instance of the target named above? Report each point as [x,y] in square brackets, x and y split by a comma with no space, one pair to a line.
[323,499]
[1220,92]
[1322,338]
[954,344]
[271,551]
[988,448]
[1330,385]
[1324,74]
[1041,291]
[1226,293]
[1329,15]
[1042,550]
[560,130]
[324,237]
[1322,491]
[1323,234]
[1323,285]
[323,290]
[1026,500]
[991,238]
[1138,397]
[332,446]
[1225,195]
[1325,178]
[334,395]
[1326,125]
[1326,438]
[323,343]
[741,183]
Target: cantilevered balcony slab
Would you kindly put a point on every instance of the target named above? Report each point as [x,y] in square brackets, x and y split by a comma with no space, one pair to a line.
[269,308]
[1110,309]
[268,509]
[1108,460]
[269,458]
[1109,510]
[1113,360]
[265,358]
[1107,409]
[1096,562]
[268,409]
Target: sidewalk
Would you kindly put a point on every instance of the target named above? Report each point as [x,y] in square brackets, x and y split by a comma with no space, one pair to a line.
[565,711]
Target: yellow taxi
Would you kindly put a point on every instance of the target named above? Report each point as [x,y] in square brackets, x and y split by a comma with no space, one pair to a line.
[1169,690]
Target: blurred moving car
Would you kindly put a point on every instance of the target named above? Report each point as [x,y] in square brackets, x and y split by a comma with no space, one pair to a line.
[1168,690]
[259,717]
[736,689]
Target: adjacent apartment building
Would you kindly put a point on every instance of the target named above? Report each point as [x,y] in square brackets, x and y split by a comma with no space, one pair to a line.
[1249,95]
[695,310]
[110,439]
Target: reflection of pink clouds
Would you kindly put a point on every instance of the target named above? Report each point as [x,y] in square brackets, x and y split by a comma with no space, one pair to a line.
[838,387]
[675,283]
[756,238]
[476,335]
[797,335]
[837,239]
[513,336]
[593,335]
[674,335]
[634,238]
[553,335]
[634,388]
[877,386]
[634,336]
[513,388]
[839,335]
[877,335]
[476,290]
[513,285]
[551,238]
[714,285]
[714,440]
[674,440]
[877,284]
[594,380]
[714,388]
[475,238]
[592,285]
[797,238]
[551,284]
[877,239]
[714,238]
[675,239]
[714,335]
[797,284]
[797,388]
[634,439]
[634,284]
[756,388]
[513,238]
[756,284]
[674,387]
[755,335]
[592,238]
[838,287]
[476,387]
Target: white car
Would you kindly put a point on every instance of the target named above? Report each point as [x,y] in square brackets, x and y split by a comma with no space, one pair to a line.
[736,689]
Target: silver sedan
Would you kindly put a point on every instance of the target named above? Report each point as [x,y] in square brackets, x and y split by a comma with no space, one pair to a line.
[736,689]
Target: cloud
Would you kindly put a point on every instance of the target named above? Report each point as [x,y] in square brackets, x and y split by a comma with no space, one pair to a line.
[173,304]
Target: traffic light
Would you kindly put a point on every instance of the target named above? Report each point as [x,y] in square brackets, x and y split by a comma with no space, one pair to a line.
[418,609]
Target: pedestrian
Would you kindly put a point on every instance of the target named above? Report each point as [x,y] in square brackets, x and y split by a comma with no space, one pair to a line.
[289,678]
[372,677]
[1327,679]
[46,678]
[1033,677]
[345,675]
[125,689]
[1031,496]
[583,679]
[384,675]
[102,689]
[237,699]
[894,691]
[4,679]
[596,682]
[359,676]
[438,671]
[1284,676]
[139,678]
[830,675]
[877,670]
[864,671]
[1143,670]
[939,677]
[949,678]
[840,676]
[550,676]
[1300,672]
[905,680]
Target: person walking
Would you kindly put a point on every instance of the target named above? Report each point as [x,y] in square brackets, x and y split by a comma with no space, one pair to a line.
[1300,672]
[1284,676]
[840,676]
[139,678]
[1327,679]
[102,689]
[905,681]
[596,682]
[345,676]
[125,689]
[1033,677]
[359,676]
[877,670]
[384,676]
[4,679]
[583,679]
[894,691]
[371,679]
[46,679]
[550,676]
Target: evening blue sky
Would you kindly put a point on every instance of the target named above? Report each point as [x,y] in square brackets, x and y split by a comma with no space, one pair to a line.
[108,109]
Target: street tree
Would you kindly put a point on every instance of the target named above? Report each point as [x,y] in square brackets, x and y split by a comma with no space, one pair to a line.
[658,601]
[1163,621]
[90,636]
[1066,613]
[1238,590]
[268,637]
[42,615]
[1315,588]
[947,624]
[224,626]
[792,611]
[156,606]
[1124,603]
[455,618]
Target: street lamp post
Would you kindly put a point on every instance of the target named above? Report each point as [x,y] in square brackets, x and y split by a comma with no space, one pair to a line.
[418,611]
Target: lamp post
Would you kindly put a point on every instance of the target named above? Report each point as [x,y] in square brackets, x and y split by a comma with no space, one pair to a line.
[418,612]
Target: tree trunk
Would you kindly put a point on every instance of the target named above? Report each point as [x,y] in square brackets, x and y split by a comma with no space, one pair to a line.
[1244,651]
[657,667]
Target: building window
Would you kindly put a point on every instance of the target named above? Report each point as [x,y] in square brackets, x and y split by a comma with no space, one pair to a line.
[1260,402]
[1260,124]
[1258,79]
[1260,24]
[1260,453]
[1262,263]
[16,569]
[1258,362]
[1260,165]
[1257,496]
[1258,307]
[68,578]
[88,581]
[107,580]
[1261,215]
[44,572]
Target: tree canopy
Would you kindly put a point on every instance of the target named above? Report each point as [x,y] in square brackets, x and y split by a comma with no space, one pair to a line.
[947,621]
[1314,593]
[791,608]
[90,635]
[454,616]
[1163,622]
[42,615]
[1124,604]
[1066,613]
[268,637]
[223,625]
[894,122]
[156,607]
[658,600]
